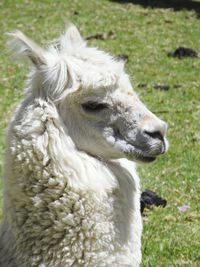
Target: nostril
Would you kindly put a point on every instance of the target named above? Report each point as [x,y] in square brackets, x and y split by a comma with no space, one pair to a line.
[155,135]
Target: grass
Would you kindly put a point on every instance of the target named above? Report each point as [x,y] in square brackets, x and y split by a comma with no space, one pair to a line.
[146,35]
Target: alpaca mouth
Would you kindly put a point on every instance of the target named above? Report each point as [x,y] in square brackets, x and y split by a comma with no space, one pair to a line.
[145,152]
[145,159]
[140,157]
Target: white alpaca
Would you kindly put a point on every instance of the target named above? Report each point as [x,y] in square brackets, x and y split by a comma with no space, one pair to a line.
[71,192]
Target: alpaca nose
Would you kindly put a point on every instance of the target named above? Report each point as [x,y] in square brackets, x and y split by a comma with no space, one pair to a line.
[154,135]
[158,136]
[155,132]
[155,128]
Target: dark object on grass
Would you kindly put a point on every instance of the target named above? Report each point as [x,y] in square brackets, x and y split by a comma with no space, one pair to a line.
[98,35]
[166,87]
[102,36]
[142,85]
[123,57]
[149,199]
[162,87]
[76,13]
[183,52]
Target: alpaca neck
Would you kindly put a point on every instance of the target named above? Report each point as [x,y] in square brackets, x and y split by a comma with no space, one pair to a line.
[54,193]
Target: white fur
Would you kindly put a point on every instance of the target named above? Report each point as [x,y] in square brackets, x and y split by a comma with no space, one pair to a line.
[71,198]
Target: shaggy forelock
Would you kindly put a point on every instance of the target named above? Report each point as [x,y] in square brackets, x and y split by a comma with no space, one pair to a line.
[90,67]
[67,64]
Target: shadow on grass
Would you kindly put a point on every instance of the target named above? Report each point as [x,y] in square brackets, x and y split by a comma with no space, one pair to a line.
[176,5]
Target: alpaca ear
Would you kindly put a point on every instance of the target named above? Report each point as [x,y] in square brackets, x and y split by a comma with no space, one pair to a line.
[24,46]
[71,38]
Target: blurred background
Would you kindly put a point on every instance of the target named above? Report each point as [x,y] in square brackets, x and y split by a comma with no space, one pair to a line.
[160,40]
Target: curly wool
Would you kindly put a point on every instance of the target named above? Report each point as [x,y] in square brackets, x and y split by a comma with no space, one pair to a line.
[51,222]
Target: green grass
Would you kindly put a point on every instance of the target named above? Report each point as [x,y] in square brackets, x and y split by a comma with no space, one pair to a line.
[170,238]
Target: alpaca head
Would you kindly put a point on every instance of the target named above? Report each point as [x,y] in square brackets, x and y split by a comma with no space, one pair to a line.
[94,98]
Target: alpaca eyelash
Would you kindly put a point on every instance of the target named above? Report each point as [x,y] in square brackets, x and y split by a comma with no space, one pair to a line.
[94,106]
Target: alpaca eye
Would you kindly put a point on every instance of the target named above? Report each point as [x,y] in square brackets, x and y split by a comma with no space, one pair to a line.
[94,106]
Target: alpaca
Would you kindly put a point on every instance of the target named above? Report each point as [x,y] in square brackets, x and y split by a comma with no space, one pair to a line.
[71,191]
